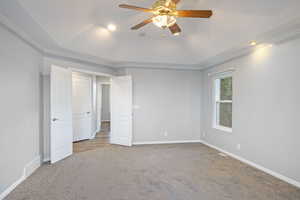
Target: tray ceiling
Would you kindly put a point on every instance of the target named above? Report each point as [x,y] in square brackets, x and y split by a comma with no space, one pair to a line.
[80,26]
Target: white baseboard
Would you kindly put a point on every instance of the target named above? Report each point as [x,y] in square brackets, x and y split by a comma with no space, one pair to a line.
[268,171]
[168,142]
[32,166]
[94,135]
[27,171]
[12,187]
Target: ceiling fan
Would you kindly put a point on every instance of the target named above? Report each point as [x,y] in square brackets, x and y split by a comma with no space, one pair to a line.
[164,14]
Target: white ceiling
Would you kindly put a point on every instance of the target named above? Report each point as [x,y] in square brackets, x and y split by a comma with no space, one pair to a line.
[79,26]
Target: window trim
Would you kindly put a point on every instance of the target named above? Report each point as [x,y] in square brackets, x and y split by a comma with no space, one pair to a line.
[217,101]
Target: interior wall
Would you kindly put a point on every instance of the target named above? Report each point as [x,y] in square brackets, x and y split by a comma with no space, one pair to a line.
[46,118]
[166,105]
[19,105]
[105,103]
[266,109]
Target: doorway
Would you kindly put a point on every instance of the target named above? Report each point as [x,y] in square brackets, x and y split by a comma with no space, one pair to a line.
[101,136]
[65,117]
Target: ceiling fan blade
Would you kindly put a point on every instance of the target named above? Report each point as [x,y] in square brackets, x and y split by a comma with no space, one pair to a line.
[143,23]
[194,13]
[175,29]
[176,1]
[135,8]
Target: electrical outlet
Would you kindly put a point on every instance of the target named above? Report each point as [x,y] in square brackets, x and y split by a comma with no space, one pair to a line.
[204,134]
[166,133]
[238,146]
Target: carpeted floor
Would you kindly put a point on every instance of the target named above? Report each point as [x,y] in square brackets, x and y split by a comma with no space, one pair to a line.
[152,172]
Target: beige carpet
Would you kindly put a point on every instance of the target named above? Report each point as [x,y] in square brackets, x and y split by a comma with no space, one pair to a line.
[152,172]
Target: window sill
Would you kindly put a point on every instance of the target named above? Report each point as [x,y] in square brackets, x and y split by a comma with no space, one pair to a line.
[223,128]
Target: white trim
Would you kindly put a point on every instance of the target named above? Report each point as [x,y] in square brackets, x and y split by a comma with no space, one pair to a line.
[27,171]
[18,32]
[217,101]
[268,171]
[222,73]
[91,72]
[12,187]
[94,135]
[280,34]
[223,128]
[168,142]
[103,83]
[32,166]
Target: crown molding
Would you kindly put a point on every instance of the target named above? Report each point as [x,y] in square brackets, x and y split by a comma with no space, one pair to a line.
[281,34]
[156,65]
[78,57]
[15,30]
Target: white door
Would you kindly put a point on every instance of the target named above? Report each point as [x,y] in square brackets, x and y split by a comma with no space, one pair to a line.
[82,107]
[121,110]
[61,113]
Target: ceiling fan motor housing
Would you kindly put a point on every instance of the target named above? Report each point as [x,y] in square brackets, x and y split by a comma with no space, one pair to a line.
[164,7]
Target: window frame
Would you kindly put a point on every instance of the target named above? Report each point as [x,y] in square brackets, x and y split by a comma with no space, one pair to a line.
[217,101]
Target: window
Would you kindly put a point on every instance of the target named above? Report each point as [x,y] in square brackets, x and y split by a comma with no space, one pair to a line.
[223,103]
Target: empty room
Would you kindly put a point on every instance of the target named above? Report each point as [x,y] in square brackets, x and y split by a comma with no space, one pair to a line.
[149,100]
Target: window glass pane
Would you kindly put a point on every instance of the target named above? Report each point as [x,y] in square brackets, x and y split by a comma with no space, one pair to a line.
[225,114]
[226,88]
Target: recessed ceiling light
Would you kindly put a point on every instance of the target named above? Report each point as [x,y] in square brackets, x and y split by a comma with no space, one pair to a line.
[102,32]
[253,43]
[111,27]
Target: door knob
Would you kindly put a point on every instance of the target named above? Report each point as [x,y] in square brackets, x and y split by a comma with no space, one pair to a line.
[54,119]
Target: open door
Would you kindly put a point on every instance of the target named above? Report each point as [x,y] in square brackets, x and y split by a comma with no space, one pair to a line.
[121,110]
[61,136]
[82,107]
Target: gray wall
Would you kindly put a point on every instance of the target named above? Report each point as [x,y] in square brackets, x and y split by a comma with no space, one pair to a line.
[166,101]
[19,106]
[105,114]
[266,96]
[46,118]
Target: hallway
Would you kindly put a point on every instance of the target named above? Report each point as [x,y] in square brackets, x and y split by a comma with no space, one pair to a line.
[101,140]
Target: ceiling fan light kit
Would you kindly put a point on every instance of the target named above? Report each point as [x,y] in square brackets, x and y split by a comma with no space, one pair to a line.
[164,21]
[165,14]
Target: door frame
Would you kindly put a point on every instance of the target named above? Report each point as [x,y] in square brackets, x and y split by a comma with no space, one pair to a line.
[46,104]
[99,108]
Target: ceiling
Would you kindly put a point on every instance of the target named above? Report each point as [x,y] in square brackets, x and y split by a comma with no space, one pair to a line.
[79,26]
